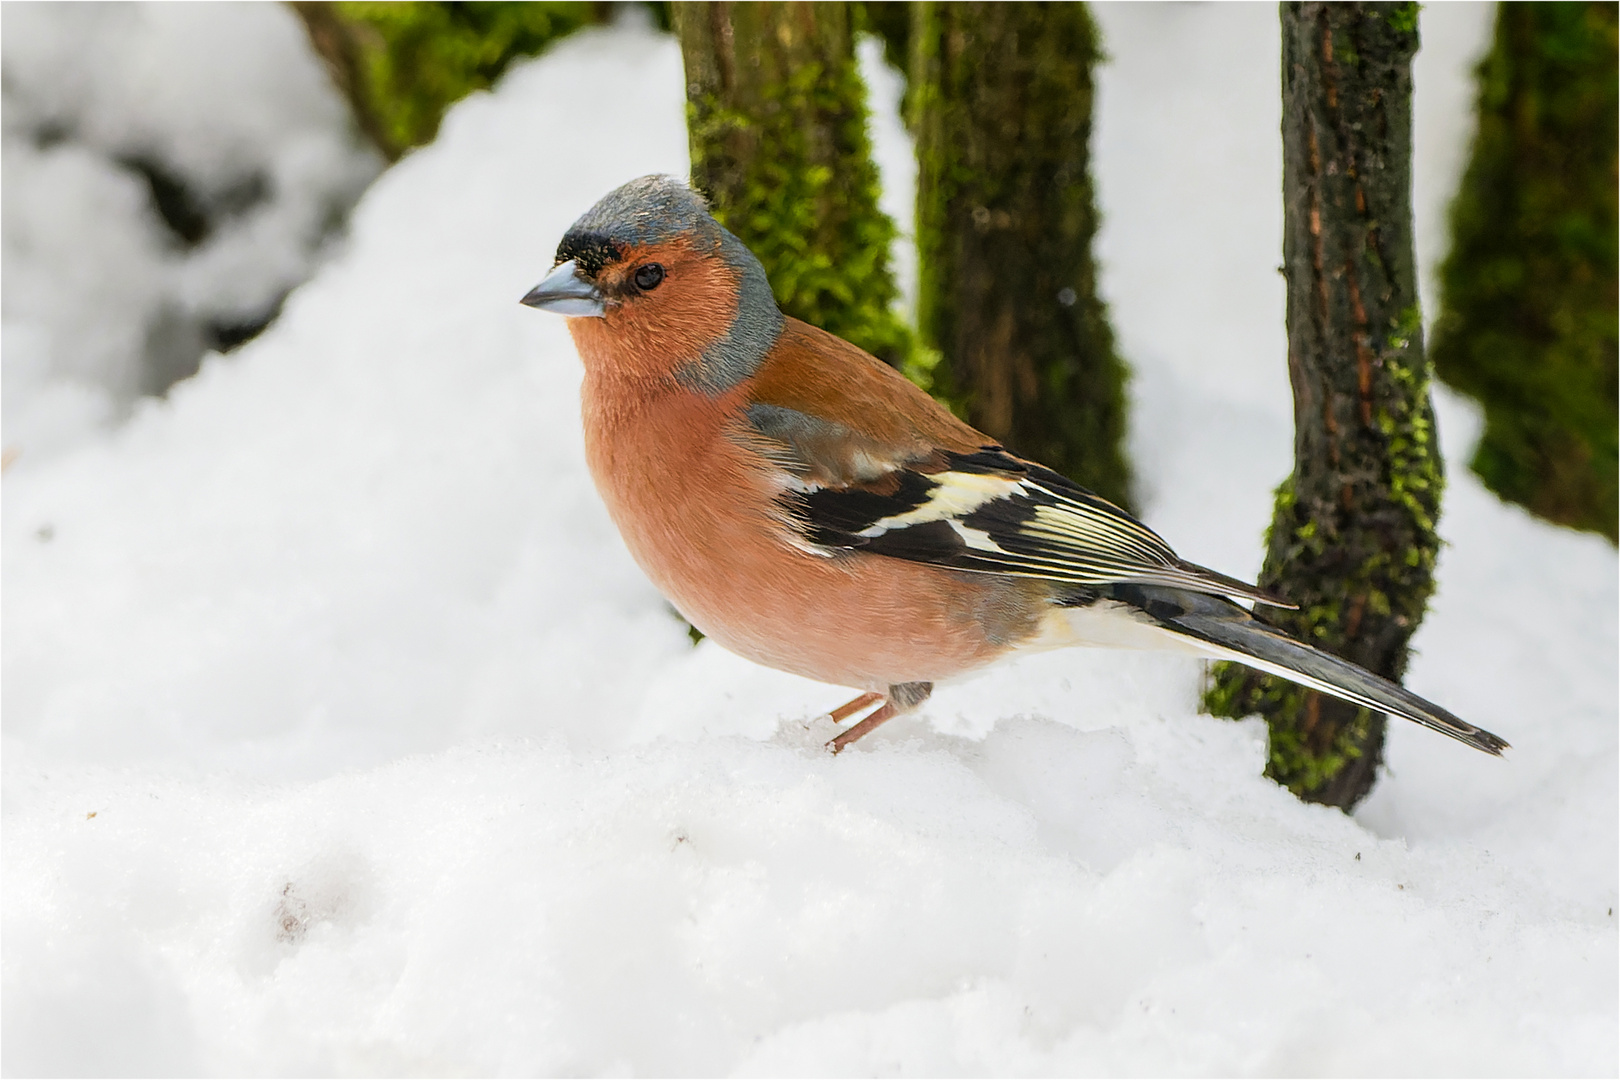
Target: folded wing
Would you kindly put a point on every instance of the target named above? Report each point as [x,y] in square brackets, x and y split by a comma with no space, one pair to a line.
[982,511]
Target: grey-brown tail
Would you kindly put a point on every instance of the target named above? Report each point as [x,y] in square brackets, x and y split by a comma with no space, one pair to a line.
[1227,629]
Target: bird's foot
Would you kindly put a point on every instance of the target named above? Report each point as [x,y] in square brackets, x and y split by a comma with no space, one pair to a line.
[901,698]
[886,712]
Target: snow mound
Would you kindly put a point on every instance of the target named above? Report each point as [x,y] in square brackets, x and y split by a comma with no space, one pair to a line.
[342,736]
[218,113]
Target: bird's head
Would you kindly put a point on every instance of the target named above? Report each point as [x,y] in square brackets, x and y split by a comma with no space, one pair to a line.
[655,288]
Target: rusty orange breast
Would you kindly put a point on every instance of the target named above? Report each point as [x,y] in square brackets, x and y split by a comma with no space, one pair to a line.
[697,511]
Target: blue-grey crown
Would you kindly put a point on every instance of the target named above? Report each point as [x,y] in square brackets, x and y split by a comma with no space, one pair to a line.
[649,210]
[655,209]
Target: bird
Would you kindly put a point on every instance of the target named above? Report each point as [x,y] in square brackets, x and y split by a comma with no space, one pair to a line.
[807,507]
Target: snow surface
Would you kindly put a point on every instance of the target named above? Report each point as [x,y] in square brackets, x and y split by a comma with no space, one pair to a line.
[102,301]
[342,736]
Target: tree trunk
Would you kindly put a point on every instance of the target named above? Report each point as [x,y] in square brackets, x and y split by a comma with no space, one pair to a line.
[1352,540]
[401,66]
[336,41]
[777,119]
[1528,319]
[1002,100]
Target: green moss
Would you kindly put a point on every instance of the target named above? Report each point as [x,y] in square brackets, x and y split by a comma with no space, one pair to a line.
[1385,583]
[416,59]
[1403,18]
[1528,318]
[787,164]
[1352,538]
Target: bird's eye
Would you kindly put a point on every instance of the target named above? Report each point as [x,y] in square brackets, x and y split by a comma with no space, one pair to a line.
[649,276]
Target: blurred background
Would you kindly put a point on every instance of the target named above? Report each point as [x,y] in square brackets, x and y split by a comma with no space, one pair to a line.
[172,171]
[342,736]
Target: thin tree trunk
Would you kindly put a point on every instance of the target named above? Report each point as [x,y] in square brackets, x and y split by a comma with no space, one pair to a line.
[401,66]
[1002,103]
[1352,540]
[337,43]
[777,119]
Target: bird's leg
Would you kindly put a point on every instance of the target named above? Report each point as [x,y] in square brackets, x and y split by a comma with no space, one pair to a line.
[850,708]
[887,712]
[902,697]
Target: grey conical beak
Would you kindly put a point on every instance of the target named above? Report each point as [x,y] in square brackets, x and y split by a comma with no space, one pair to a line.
[567,293]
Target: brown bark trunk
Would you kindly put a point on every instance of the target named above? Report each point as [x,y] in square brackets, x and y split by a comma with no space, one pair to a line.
[1007,291]
[777,119]
[1353,540]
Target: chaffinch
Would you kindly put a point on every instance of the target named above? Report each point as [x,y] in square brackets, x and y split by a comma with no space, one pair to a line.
[806,506]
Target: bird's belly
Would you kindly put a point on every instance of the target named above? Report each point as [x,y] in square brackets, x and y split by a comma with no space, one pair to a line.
[705,533]
[853,620]
[846,622]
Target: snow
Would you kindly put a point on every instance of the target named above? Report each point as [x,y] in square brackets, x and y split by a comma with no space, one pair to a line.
[102,301]
[897,164]
[341,735]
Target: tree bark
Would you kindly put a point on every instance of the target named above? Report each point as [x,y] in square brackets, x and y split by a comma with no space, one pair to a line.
[1007,291]
[777,119]
[1353,539]
[402,66]
[337,43]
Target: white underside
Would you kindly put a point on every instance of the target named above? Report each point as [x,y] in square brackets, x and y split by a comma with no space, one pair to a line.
[1111,625]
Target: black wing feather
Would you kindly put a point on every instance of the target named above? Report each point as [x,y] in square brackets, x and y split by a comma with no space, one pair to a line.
[985,511]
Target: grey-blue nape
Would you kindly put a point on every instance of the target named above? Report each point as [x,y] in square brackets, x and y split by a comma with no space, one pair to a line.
[752,333]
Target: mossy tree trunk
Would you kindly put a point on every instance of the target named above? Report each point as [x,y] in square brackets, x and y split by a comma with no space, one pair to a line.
[401,66]
[776,114]
[1007,292]
[1352,540]
[1528,320]
[336,41]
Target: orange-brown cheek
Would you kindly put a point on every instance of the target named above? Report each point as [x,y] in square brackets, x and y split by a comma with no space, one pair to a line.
[652,335]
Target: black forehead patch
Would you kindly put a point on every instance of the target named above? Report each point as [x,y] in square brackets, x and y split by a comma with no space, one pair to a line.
[650,210]
[591,250]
